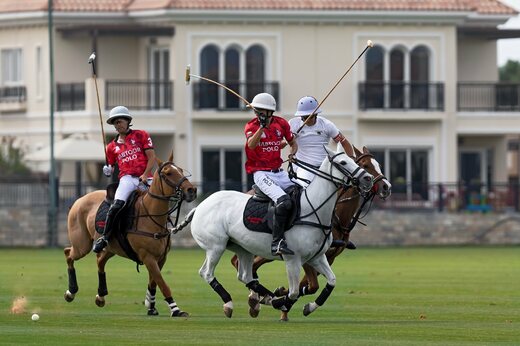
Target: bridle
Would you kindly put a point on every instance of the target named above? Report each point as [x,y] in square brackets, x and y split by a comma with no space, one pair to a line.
[177,191]
[367,198]
[176,197]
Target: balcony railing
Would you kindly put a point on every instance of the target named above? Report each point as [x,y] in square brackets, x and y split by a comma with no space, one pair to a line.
[401,95]
[70,96]
[139,94]
[12,94]
[494,97]
[210,96]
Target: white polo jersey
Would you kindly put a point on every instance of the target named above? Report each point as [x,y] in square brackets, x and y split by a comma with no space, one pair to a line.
[311,139]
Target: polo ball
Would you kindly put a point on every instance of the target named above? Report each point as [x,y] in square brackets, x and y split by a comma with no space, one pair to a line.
[35,317]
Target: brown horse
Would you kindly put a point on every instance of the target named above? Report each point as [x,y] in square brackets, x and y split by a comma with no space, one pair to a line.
[148,235]
[346,214]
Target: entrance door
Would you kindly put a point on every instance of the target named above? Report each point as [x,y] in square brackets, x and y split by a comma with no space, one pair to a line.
[472,167]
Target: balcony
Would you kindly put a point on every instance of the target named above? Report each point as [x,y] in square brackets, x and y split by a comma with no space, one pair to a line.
[488,97]
[12,99]
[398,95]
[139,94]
[210,96]
[70,96]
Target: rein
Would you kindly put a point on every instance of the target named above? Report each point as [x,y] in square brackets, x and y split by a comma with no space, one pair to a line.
[175,197]
[366,198]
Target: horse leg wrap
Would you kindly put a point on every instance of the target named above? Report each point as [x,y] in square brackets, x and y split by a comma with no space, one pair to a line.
[324,294]
[149,300]
[259,288]
[221,291]
[303,291]
[283,303]
[174,309]
[73,283]
[102,286]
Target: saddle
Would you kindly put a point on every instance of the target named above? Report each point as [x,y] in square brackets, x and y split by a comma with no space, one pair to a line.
[123,222]
[259,210]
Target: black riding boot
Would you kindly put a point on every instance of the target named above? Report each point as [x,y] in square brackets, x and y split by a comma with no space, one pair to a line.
[281,213]
[102,241]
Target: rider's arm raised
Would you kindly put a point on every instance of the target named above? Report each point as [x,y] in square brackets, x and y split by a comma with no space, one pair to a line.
[253,141]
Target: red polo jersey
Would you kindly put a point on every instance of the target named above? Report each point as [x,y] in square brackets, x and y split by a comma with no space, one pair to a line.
[130,156]
[267,154]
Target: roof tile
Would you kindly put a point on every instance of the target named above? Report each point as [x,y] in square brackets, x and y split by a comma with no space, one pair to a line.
[480,6]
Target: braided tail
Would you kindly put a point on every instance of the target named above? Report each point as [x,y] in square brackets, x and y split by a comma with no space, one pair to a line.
[187,220]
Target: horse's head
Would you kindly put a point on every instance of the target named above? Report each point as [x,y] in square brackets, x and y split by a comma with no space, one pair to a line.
[381,184]
[347,169]
[170,181]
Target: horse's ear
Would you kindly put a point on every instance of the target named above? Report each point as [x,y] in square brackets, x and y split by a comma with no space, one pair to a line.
[159,162]
[356,150]
[170,159]
[365,150]
[339,148]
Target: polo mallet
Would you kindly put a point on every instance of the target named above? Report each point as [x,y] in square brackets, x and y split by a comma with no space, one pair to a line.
[92,61]
[188,79]
[370,44]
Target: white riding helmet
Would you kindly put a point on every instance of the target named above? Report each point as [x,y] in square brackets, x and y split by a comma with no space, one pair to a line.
[264,101]
[306,106]
[118,112]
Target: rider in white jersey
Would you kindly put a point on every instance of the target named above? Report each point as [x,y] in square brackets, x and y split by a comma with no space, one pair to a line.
[313,136]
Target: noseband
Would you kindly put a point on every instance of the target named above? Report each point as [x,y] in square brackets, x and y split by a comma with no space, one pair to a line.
[177,194]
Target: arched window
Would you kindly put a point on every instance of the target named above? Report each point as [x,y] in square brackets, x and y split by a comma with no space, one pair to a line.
[374,76]
[209,65]
[232,76]
[255,72]
[396,78]
[419,77]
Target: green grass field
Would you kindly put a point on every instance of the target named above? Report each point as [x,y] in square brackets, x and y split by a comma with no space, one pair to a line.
[388,296]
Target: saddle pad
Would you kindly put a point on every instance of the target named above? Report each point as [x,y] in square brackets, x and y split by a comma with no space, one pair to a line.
[255,215]
[101,216]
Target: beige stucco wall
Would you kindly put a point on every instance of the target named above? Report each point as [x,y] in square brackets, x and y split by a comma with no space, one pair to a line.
[476,60]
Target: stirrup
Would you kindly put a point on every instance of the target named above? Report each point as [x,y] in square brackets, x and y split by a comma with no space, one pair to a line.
[280,248]
[99,245]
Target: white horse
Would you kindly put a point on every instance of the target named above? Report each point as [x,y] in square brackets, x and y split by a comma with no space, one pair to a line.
[217,225]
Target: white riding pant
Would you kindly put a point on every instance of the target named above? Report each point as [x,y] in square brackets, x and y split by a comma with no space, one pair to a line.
[127,184]
[303,174]
[272,184]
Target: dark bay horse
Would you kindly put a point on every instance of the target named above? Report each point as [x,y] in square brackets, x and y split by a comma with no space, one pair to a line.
[148,235]
[347,210]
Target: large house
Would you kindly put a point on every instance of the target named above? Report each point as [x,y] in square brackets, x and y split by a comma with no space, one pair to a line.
[425,99]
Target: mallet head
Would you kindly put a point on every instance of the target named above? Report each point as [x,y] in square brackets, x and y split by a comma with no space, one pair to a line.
[92,57]
[187,76]
[370,43]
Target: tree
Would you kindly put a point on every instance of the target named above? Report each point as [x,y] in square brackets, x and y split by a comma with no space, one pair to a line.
[11,159]
[510,71]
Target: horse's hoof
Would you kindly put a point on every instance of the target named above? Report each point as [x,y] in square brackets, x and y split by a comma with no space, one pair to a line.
[69,296]
[100,301]
[254,311]
[280,291]
[309,308]
[284,317]
[183,314]
[228,309]
[153,312]
[254,304]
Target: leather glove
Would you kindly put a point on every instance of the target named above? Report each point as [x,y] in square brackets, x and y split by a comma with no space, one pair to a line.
[107,170]
[263,121]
